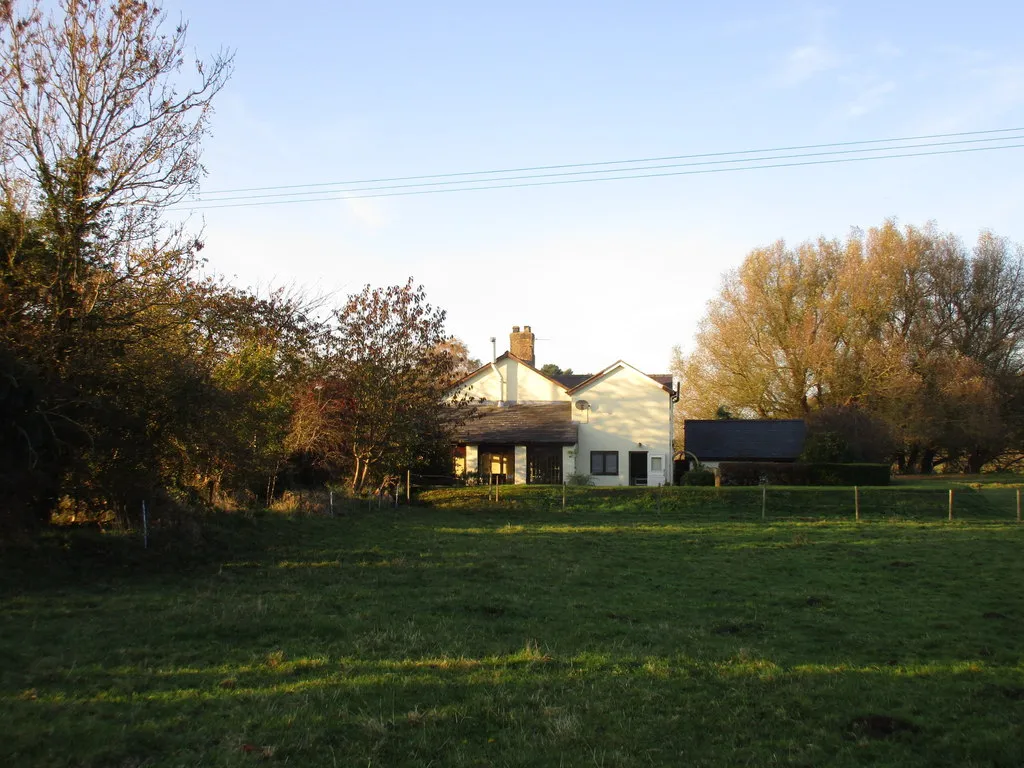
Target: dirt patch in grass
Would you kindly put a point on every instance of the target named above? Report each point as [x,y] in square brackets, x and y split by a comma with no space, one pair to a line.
[879,727]
[744,628]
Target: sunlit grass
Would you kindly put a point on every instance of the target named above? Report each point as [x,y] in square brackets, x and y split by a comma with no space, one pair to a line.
[663,633]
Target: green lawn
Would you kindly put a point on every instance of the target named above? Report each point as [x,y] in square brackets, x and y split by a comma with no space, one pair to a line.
[634,629]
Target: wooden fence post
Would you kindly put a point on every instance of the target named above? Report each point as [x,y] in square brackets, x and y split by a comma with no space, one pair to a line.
[856,502]
[1018,505]
[764,500]
[408,485]
[951,505]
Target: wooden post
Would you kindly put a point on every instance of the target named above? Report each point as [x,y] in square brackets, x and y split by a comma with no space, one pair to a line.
[145,527]
[856,503]
[1018,500]
[1018,505]
[951,505]
[764,500]
[332,503]
[497,484]
[408,486]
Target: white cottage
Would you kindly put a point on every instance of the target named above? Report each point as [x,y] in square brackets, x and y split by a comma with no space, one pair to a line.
[615,425]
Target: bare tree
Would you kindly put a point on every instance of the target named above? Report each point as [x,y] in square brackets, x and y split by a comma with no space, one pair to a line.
[99,137]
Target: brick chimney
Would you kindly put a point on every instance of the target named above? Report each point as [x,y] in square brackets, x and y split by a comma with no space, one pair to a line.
[520,344]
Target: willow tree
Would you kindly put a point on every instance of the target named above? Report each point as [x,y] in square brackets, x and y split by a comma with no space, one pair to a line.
[907,323]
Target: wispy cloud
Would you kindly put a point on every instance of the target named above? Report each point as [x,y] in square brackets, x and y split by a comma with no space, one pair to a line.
[369,213]
[869,99]
[805,62]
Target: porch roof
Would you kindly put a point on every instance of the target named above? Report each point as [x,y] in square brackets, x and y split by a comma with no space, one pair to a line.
[520,423]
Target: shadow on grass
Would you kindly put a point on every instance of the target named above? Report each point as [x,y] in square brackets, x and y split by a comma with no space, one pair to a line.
[523,708]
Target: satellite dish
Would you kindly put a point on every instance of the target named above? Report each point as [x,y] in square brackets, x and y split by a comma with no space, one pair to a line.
[582,405]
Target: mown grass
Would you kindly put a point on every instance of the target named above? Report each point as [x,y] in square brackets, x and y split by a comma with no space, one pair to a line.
[632,629]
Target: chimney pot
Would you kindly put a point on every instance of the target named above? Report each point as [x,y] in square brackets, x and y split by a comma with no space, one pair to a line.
[521,345]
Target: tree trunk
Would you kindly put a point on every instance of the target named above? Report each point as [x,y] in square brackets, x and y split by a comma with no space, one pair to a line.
[976,459]
[355,476]
[927,461]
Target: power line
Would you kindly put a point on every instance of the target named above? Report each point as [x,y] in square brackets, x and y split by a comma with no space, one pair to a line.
[615,162]
[342,196]
[613,170]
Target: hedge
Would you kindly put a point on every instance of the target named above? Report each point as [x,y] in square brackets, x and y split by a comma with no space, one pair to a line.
[779,473]
[699,476]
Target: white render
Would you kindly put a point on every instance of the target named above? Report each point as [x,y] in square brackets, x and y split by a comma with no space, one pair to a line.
[629,411]
[626,411]
[520,465]
[521,384]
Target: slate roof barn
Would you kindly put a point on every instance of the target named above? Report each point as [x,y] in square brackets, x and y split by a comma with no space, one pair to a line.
[744,439]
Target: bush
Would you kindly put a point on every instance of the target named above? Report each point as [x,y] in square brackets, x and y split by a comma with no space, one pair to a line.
[849,474]
[697,477]
[778,473]
[579,478]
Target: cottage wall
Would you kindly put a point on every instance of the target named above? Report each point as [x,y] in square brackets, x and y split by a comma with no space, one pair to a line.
[628,412]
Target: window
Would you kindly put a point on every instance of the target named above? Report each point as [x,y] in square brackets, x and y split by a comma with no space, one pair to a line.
[604,462]
[656,463]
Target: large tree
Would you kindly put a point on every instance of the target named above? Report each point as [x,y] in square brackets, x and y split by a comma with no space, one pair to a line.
[381,405]
[906,322]
[100,131]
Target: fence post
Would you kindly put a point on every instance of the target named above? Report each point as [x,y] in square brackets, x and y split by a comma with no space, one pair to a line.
[951,505]
[856,502]
[332,502]
[563,500]
[408,486]
[1018,505]
[145,527]
[764,500]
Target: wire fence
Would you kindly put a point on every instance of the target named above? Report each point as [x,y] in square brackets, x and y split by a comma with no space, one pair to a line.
[992,503]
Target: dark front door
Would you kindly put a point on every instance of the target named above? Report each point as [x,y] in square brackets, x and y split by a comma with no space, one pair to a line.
[638,467]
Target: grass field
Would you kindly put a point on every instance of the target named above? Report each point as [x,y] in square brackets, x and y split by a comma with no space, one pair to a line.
[630,630]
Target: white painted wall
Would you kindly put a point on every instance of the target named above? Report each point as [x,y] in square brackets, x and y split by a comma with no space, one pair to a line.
[522,385]
[628,412]
[520,465]
[568,461]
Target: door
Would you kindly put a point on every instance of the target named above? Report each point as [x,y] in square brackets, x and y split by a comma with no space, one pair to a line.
[638,467]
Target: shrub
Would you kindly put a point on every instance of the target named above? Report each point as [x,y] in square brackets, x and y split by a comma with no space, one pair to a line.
[778,473]
[699,476]
[849,474]
[579,478]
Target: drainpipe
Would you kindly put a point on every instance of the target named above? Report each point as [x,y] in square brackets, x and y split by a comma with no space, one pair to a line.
[494,360]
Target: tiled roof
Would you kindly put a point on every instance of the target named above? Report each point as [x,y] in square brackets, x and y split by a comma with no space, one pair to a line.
[744,440]
[520,423]
[573,380]
[570,380]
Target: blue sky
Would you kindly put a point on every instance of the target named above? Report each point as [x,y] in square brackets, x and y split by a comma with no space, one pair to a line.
[335,91]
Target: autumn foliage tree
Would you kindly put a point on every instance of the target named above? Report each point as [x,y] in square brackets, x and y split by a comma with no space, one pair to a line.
[906,324]
[381,406]
[99,134]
